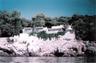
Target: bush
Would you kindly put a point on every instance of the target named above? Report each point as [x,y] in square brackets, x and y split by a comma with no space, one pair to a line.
[46,36]
[10,23]
[91,48]
[84,27]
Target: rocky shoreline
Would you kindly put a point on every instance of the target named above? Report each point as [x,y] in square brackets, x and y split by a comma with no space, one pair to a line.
[57,47]
[89,51]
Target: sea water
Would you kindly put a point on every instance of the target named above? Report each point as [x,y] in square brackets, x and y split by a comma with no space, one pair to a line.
[47,59]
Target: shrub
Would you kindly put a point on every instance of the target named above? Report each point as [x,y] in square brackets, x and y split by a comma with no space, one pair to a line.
[46,36]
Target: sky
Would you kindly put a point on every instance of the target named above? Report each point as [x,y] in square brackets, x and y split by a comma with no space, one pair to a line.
[53,8]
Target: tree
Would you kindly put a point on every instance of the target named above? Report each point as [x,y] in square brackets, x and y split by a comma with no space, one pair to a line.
[84,26]
[26,23]
[10,23]
[39,20]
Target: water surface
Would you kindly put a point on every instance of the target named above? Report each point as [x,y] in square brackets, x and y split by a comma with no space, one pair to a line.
[47,59]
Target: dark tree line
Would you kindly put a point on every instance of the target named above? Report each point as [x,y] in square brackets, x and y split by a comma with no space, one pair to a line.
[85,26]
[11,23]
[42,20]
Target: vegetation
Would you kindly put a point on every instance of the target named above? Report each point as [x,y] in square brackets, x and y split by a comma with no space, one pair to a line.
[85,26]
[91,48]
[45,36]
[85,29]
[11,24]
[42,20]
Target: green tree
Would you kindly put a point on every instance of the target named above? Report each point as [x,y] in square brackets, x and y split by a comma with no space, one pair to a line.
[39,20]
[10,23]
[84,26]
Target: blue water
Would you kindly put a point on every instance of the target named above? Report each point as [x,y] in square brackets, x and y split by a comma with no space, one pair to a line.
[47,59]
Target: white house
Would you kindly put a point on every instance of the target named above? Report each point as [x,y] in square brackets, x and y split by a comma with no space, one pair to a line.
[27,30]
[53,29]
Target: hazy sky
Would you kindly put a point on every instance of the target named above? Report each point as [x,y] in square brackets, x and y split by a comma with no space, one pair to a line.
[29,8]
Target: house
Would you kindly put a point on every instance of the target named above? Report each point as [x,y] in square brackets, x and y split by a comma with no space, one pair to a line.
[53,29]
[27,30]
